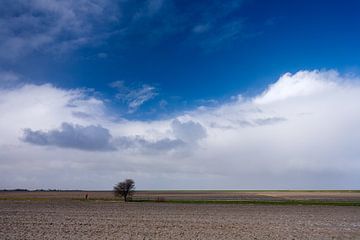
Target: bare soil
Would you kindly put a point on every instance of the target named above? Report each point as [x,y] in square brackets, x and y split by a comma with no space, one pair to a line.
[72,219]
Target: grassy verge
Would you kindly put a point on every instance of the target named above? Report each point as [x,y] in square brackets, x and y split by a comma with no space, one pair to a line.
[253,202]
[262,202]
[250,191]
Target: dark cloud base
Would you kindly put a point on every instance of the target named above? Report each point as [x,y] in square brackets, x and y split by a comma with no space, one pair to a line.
[89,138]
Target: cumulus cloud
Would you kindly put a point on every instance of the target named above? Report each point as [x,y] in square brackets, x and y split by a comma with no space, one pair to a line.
[134,97]
[155,146]
[34,25]
[91,138]
[301,84]
[181,136]
[301,132]
[45,107]
[189,131]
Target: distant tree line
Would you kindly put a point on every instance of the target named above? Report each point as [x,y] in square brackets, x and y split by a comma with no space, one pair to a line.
[14,190]
[38,190]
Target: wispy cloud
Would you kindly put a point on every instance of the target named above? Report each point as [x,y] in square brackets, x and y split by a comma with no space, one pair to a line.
[60,26]
[269,120]
[223,33]
[9,77]
[36,25]
[210,24]
[134,97]
[216,26]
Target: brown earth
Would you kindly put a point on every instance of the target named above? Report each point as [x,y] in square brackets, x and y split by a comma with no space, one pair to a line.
[66,219]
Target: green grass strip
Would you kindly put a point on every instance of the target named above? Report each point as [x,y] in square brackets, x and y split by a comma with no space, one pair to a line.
[285,202]
[184,201]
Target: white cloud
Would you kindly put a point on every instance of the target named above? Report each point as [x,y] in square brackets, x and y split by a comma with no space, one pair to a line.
[189,131]
[302,132]
[44,107]
[301,84]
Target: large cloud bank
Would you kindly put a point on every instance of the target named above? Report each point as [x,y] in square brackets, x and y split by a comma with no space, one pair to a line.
[301,132]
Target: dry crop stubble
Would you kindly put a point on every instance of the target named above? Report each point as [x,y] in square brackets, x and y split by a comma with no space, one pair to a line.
[62,217]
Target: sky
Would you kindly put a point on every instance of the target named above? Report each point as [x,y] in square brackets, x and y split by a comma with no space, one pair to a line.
[236,94]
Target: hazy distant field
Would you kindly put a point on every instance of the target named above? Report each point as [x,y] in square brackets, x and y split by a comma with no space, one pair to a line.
[326,196]
[64,215]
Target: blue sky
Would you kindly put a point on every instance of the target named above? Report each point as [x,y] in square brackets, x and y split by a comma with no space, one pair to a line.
[188,51]
[152,85]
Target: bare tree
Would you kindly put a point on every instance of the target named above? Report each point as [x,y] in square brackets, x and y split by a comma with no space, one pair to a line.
[125,189]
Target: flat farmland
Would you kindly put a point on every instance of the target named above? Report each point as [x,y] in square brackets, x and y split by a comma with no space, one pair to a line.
[65,215]
[323,196]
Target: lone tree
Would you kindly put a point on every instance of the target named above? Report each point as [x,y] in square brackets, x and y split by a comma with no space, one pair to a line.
[124,189]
